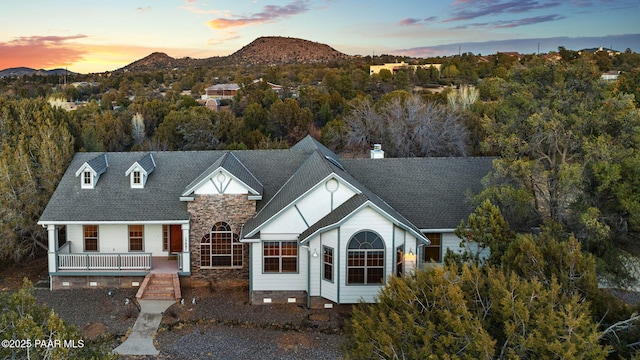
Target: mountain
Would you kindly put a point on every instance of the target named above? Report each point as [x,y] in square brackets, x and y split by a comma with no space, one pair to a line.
[284,50]
[162,61]
[263,50]
[21,71]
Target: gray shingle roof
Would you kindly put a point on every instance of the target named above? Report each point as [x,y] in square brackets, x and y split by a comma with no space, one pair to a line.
[432,193]
[420,193]
[113,199]
[234,166]
[147,163]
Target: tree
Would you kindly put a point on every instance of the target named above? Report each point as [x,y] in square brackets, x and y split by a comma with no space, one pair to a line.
[288,121]
[484,229]
[35,149]
[406,126]
[137,129]
[472,313]
[24,321]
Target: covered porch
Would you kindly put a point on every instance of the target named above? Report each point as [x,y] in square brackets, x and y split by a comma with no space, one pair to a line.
[112,254]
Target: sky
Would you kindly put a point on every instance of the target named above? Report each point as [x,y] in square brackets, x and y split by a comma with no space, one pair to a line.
[92,36]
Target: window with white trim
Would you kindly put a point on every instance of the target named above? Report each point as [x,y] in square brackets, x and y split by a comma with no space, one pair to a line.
[433,251]
[90,237]
[280,256]
[87,179]
[221,248]
[136,237]
[327,263]
[365,259]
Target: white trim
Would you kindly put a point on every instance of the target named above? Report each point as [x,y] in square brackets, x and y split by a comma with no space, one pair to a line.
[132,222]
[226,172]
[368,203]
[438,230]
[333,175]
[133,167]
[187,198]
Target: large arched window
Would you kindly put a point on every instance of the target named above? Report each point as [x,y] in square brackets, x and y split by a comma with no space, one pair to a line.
[220,248]
[365,259]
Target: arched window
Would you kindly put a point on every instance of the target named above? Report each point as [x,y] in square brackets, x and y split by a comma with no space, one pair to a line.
[220,248]
[365,259]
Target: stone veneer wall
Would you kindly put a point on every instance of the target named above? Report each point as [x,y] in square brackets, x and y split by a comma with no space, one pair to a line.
[206,210]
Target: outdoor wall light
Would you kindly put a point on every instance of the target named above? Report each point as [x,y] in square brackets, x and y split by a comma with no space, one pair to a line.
[315,253]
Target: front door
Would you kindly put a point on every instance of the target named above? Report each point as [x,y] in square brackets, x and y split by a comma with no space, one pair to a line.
[175,238]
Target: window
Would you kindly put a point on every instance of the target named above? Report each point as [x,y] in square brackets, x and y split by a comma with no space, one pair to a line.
[365,259]
[91,238]
[433,252]
[137,179]
[87,179]
[280,256]
[220,248]
[327,261]
[400,260]
[136,238]
[165,237]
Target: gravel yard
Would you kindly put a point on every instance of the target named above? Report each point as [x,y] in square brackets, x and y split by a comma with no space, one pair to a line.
[221,324]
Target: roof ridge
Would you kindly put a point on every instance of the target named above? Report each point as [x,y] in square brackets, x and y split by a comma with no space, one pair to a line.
[246,168]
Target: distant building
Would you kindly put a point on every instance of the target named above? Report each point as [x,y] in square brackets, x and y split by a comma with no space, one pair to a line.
[395,67]
[228,91]
[610,75]
[609,52]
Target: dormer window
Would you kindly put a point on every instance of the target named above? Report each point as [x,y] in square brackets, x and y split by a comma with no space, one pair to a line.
[91,170]
[139,172]
[137,180]
[87,179]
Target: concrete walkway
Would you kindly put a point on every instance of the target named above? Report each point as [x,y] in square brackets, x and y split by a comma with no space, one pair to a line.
[140,341]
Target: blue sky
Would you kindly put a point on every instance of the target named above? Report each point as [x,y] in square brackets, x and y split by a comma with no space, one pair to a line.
[95,36]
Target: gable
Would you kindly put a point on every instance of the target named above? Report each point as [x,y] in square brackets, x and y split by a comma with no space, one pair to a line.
[227,175]
[327,195]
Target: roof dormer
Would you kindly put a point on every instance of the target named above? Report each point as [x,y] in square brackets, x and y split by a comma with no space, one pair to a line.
[140,171]
[91,171]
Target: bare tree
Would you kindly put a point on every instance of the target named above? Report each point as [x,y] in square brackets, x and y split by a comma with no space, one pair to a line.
[460,100]
[407,127]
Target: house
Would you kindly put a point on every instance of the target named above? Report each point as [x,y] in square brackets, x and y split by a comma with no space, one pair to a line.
[610,75]
[228,91]
[395,67]
[300,225]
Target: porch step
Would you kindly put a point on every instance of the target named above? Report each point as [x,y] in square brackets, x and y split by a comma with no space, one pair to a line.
[160,287]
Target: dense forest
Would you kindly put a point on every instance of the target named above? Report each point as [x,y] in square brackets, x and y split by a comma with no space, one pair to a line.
[566,178]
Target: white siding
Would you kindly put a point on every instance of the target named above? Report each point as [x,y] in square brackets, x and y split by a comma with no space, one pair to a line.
[278,281]
[319,286]
[75,237]
[153,240]
[312,207]
[228,186]
[450,241]
[115,239]
[366,219]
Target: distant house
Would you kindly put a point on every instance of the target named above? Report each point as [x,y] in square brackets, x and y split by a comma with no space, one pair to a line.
[610,75]
[395,67]
[228,91]
[295,226]
[221,91]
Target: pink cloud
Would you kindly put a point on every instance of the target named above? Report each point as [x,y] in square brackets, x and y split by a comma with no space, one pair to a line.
[40,52]
[269,13]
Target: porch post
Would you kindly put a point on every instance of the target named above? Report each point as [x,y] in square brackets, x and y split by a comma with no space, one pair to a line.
[53,248]
[186,260]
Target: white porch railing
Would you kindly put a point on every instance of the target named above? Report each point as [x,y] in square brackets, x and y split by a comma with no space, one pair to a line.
[126,261]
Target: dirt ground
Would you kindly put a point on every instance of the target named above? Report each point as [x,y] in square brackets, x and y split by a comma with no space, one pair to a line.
[212,323]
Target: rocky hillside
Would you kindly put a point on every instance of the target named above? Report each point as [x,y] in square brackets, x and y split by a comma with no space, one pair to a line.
[162,61]
[263,50]
[284,50]
[20,71]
